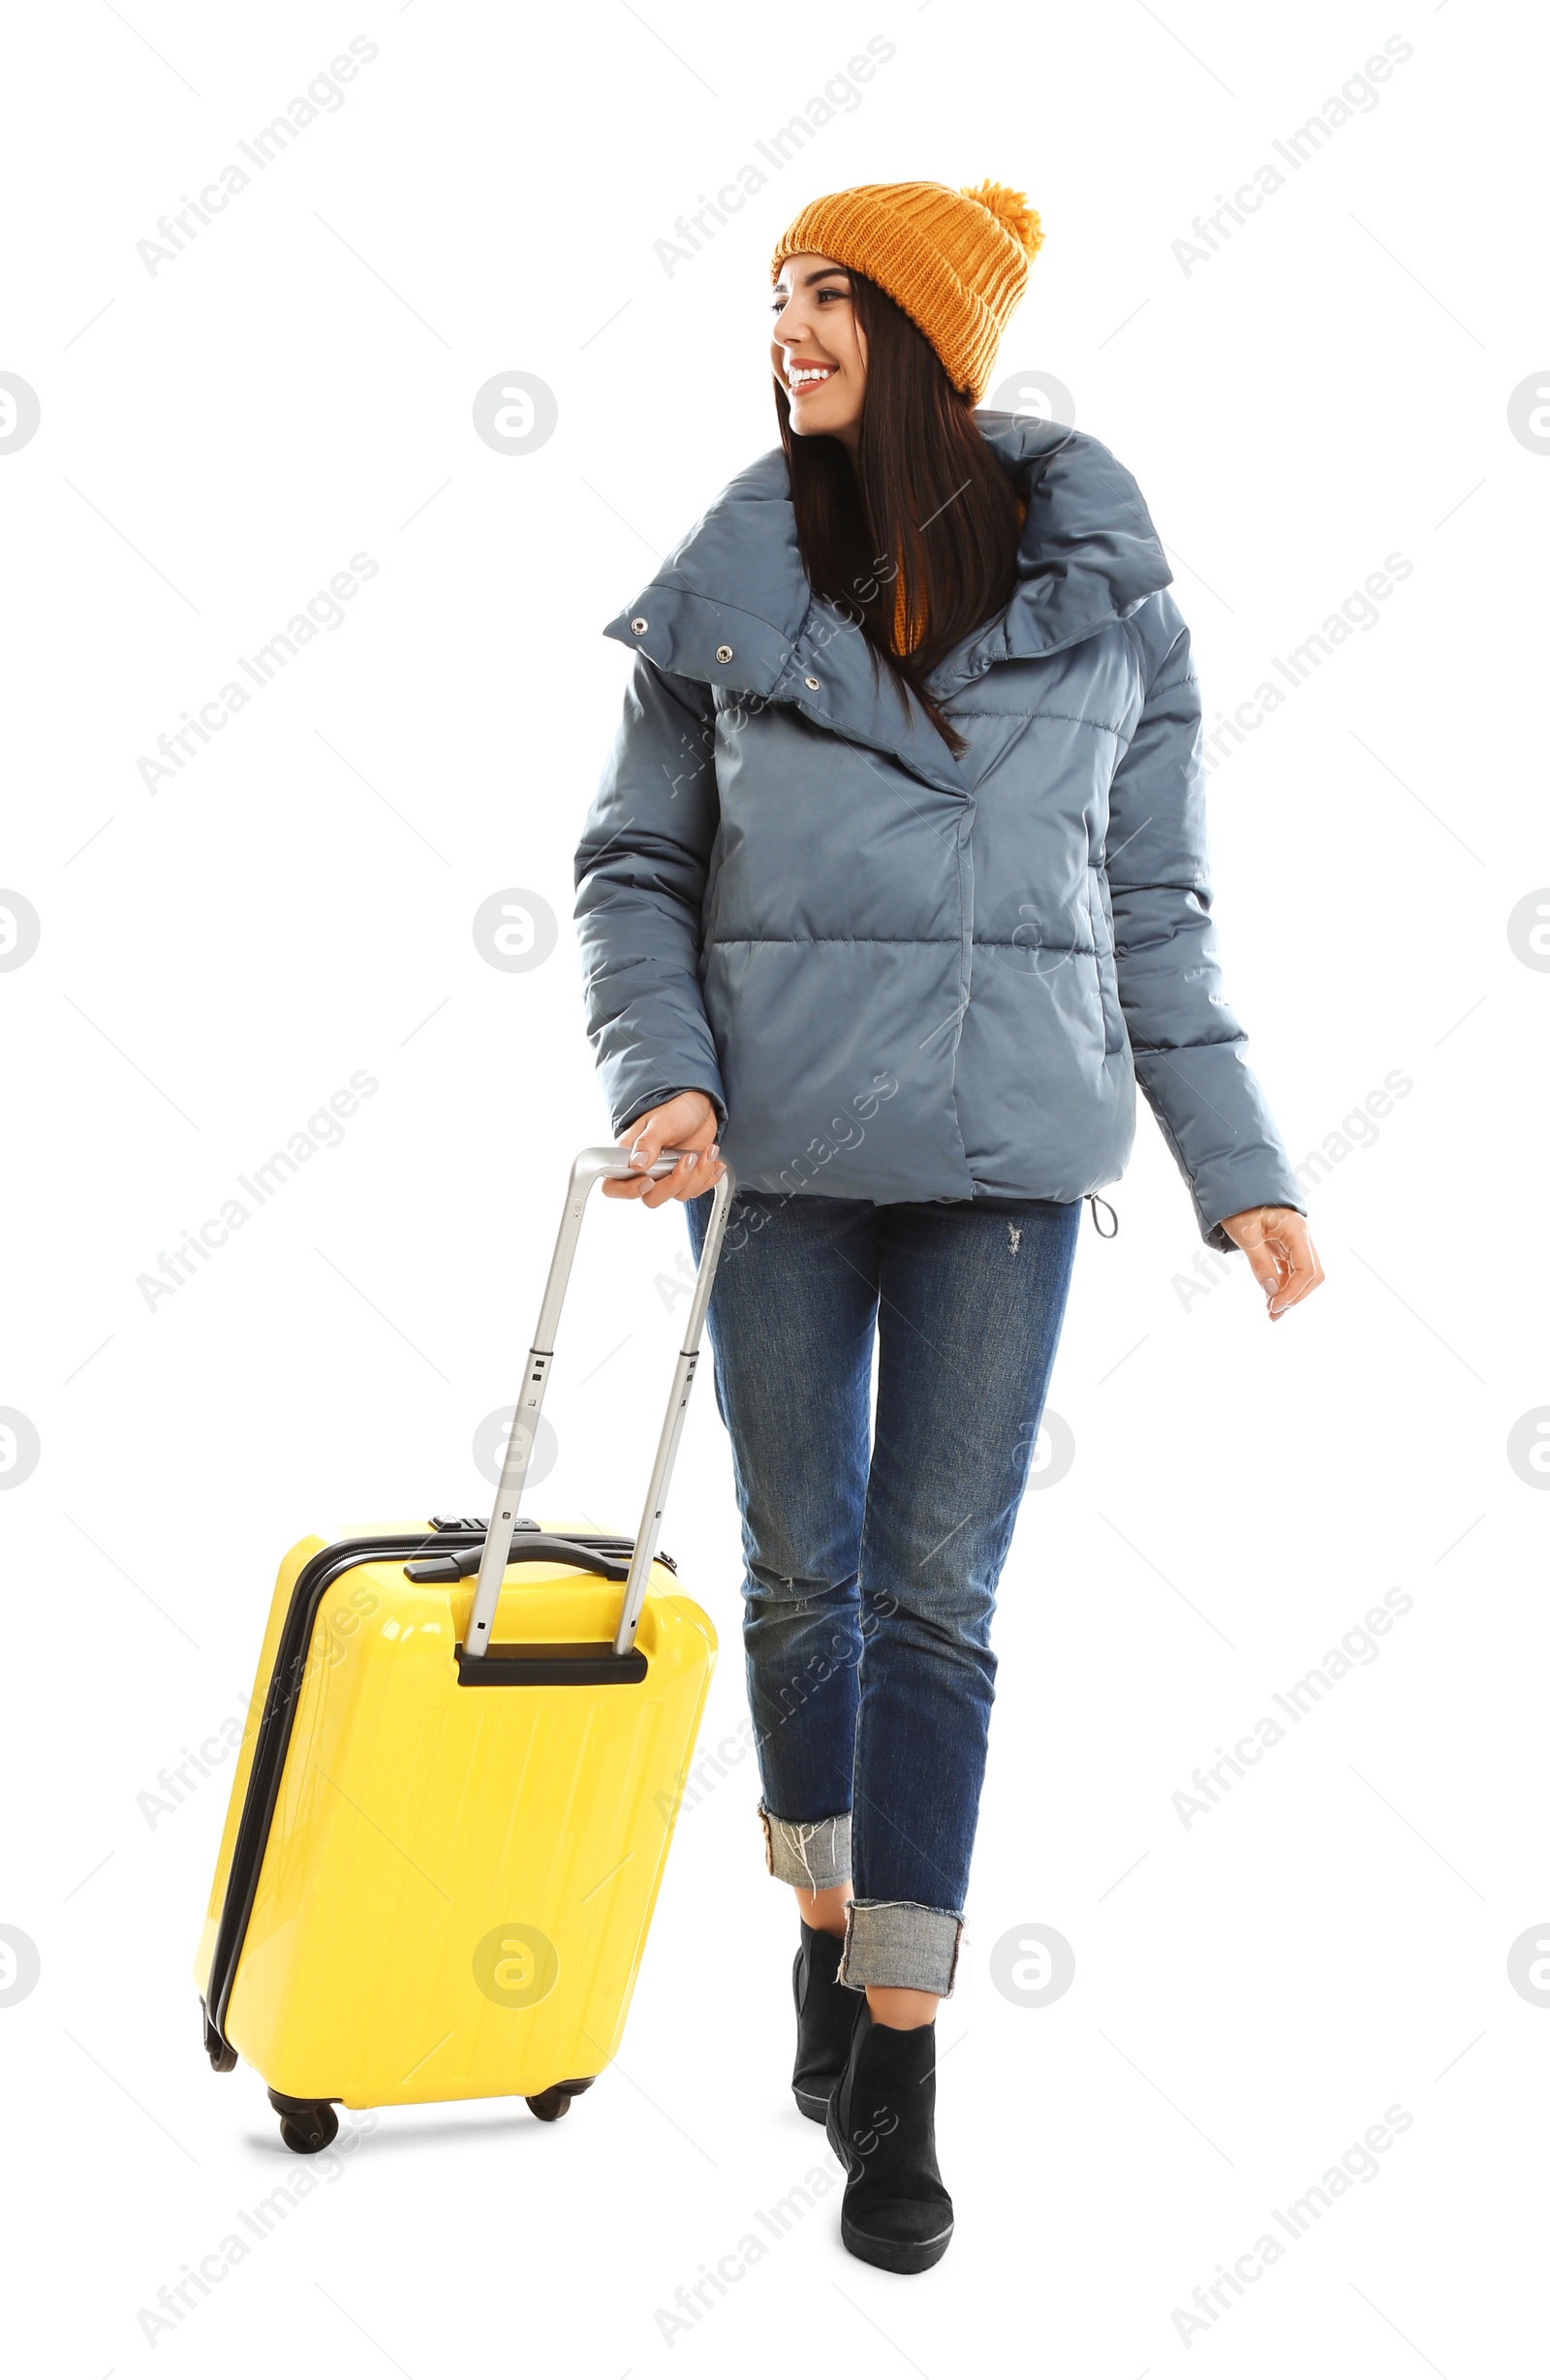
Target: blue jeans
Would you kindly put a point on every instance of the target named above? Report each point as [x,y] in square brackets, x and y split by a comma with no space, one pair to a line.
[873,1560]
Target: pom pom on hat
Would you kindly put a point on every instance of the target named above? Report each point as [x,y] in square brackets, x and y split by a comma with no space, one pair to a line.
[1011,211]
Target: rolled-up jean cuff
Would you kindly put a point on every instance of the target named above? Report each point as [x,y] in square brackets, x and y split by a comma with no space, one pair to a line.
[813,1852]
[901,1944]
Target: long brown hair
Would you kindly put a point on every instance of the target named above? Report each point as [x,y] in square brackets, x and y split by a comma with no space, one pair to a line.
[927,507]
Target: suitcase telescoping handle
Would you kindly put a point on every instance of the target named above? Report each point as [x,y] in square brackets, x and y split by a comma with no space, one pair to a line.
[594,1165]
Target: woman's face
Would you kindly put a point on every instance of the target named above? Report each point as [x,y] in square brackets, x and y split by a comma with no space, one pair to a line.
[818,350]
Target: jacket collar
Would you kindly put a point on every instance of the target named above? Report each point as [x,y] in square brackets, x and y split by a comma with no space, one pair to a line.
[1088,556]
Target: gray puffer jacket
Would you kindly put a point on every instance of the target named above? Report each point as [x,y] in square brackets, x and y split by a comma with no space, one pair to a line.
[898,975]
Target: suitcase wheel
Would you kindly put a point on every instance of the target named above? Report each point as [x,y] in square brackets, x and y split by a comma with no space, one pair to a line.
[309,2129]
[551,2105]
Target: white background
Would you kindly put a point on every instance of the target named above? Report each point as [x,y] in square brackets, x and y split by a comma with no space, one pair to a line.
[217,440]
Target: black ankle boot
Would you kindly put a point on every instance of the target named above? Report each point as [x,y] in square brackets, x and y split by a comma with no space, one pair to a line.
[825,2013]
[881,2126]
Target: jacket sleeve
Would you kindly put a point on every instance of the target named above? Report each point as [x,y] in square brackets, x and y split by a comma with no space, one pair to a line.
[1188,1046]
[641,872]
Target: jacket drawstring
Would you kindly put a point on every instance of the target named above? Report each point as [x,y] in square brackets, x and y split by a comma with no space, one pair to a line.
[1095,1203]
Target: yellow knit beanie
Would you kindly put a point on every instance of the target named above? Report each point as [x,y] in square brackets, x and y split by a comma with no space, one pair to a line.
[956,261]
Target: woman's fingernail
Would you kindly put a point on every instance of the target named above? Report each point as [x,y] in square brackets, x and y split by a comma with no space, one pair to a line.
[690,1162]
[714,1152]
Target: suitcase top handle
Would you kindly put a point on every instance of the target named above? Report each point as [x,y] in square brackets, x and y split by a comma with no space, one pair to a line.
[533,1546]
[595,1165]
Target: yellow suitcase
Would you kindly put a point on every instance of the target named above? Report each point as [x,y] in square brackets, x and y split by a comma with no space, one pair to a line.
[456,1792]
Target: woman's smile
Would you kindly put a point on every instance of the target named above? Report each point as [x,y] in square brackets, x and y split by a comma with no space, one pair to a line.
[823,386]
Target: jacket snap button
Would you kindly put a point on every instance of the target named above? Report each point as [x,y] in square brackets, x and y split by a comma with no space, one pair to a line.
[724,652]
[639,627]
[811,682]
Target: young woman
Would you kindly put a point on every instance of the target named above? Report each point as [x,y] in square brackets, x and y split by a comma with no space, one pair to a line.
[894,886]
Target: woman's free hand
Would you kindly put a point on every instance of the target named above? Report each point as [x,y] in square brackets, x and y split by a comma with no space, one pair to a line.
[687,1122]
[1282,1257]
